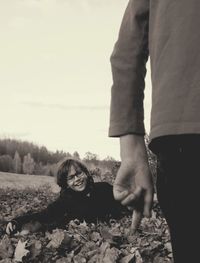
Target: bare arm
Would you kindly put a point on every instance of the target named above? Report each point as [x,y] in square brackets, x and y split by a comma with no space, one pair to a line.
[133,185]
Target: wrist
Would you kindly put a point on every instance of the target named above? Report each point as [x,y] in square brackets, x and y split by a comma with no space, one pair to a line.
[132,145]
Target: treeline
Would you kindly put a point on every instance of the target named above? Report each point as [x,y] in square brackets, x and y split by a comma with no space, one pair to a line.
[28,158]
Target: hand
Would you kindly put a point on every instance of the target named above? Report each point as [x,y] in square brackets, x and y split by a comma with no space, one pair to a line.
[11,228]
[133,185]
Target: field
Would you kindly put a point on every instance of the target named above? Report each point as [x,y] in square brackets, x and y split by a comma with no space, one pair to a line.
[79,242]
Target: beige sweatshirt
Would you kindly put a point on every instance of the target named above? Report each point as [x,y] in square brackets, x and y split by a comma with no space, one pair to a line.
[167,31]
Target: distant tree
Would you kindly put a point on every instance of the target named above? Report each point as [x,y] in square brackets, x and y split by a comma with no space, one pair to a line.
[17,163]
[28,164]
[109,159]
[91,159]
[38,169]
[68,155]
[90,156]
[6,163]
[76,155]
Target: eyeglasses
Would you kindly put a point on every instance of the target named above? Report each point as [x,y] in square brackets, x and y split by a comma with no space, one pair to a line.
[78,175]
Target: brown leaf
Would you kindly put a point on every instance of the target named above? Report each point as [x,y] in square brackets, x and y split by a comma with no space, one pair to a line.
[64,260]
[79,259]
[106,234]
[95,236]
[106,254]
[138,258]
[127,259]
[6,248]
[111,255]
[6,260]
[56,238]
[35,249]
[168,247]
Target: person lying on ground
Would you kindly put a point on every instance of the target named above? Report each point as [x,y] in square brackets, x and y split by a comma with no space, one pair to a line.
[80,198]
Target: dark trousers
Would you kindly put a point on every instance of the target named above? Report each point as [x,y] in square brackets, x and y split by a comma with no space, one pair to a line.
[178,191]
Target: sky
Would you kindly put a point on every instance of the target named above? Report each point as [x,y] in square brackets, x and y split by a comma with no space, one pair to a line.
[55,73]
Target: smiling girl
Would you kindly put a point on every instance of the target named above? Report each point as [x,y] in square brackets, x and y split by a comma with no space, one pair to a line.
[80,198]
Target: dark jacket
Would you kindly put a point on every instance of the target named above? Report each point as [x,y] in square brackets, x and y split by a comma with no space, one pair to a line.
[168,32]
[99,204]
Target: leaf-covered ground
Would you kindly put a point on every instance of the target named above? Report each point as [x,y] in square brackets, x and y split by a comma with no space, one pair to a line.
[79,242]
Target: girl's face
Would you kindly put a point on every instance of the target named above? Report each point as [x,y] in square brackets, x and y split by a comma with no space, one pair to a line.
[76,179]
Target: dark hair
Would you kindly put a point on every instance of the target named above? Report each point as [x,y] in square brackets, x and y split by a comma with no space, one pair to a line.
[63,171]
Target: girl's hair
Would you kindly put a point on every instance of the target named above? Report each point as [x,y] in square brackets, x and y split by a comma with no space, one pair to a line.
[63,172]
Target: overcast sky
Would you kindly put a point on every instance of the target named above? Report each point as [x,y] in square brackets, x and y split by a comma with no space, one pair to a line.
[55,75]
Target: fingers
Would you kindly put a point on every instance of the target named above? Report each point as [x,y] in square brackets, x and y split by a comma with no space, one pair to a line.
[136,219]
[132,197]
[148,201]
[119,192]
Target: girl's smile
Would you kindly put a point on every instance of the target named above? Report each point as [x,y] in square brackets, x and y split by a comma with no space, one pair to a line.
[76,179]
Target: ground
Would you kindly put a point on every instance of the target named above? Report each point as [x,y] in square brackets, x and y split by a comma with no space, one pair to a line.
[79,242]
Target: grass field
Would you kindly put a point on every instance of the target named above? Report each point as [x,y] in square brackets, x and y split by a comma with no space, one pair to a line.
[23,181]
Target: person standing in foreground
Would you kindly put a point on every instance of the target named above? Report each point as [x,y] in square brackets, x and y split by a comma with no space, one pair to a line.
[168,32]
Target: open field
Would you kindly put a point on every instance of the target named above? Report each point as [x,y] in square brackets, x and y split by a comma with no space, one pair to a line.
[23,181]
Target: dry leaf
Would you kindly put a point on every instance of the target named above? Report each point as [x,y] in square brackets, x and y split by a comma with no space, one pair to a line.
[63,260]
[111,255]
[127,259]
[168,247]
[105,233]
[6,260]
[35,249]
[20,251]
[56,238]
[59,237]
[6,248]
[138,258]
[95,236]
[79,259]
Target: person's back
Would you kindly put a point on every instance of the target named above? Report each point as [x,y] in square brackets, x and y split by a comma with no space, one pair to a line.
[167,31]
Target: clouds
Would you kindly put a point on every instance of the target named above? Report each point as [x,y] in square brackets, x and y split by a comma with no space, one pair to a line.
[53,106]
[55,72]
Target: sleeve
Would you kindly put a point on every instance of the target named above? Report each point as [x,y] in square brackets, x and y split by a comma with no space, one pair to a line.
[54,212]
[128,62]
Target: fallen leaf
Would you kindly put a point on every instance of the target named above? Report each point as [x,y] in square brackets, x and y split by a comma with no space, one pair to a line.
[138,258]
[64,260]
[6,248]
[20,251]
[79,259]
[56,238]
[95,236]
[35,249]
[127,259]
[6,260]
[168,247]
